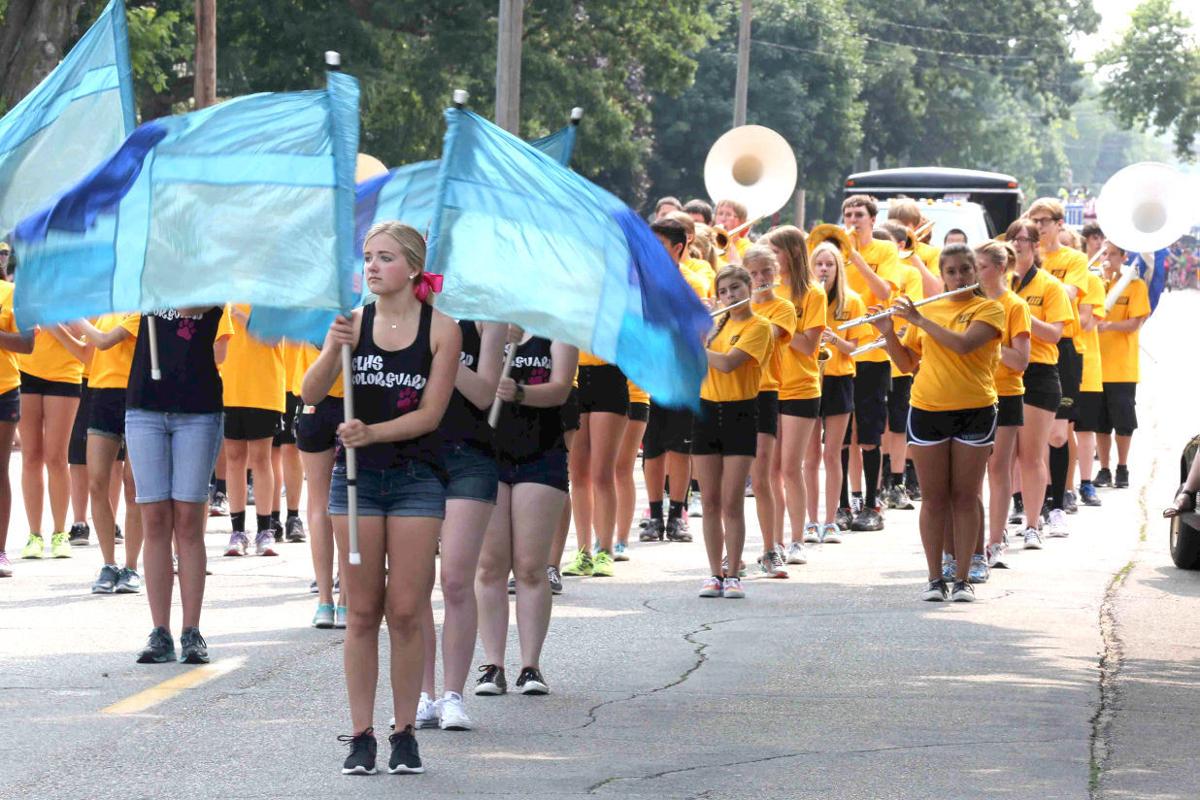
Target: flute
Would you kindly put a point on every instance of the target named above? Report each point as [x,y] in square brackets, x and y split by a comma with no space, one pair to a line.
[887,312]
[718,312]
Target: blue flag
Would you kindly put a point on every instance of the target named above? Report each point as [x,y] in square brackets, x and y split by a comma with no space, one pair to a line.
[1155,275]
[250,201]
[520,239]
[407,194]
[70,122]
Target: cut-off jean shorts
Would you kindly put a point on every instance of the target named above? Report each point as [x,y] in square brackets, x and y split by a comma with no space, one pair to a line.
[412,489]
[172,454]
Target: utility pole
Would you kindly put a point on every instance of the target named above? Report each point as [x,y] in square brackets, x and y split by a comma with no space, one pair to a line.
[508,64]
[742,87]
[204,89]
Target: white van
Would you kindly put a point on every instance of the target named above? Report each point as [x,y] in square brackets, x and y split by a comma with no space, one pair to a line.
[947,215]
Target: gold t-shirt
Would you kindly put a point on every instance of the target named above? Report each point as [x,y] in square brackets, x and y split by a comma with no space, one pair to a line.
[946,380]
[752,336]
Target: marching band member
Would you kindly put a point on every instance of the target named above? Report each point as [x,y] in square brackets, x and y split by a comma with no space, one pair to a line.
[730,215]
[635,429]
[924,257]
[1093,240]
[286,466]
[700,211]
[1091,389]
[665,206]
[956,342]
[11,343]
[912,282]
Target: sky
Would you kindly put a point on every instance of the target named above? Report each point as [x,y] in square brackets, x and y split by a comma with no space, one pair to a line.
[1114,18]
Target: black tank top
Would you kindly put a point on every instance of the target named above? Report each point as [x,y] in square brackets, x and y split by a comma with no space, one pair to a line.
[464,422]
[524,432]
[389,384]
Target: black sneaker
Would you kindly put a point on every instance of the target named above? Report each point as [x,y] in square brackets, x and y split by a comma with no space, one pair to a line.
[277,530]
[1070,504]
[963,592]
[911,485]
[294,530]
[118,536]
[107,582]
[676,532]
[405,760]
[192,647]
[363,747]
[1017,517]
[1121,481]
[492,683]
[843,519]
[652,531]
[531,682]
[1103,478]
[935,592]
[80,532]
[159,649]
[555,578]
[1087,494]
[869,519]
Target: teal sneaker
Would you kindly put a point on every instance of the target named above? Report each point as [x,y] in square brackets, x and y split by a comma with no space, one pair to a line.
[324,617]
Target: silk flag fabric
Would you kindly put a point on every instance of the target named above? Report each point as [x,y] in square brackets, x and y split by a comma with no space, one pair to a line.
[407,194]
[74,119]
[248,201]
[520,239]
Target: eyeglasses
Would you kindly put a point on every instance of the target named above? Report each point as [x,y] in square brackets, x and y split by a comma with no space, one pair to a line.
[1040,221]
[1027,239]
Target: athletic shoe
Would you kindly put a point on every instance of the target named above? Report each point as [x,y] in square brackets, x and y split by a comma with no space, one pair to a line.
[238,544]
[979,572]
[695,508]
[512,585]
[749,490]
[277,530]
[772,565]
[530,681]
[677,531]
[711,587]
[361,760]
[652,531]
[900,499]
[620,552]
[1056,527]
[1070,505]
[60,545]
[106,583]
[159,649]
[405,759]
[949,567]
[602,564]
[453,714]
[1033,539]
[1121,481]
[219,505]
[995,554]
[323,619]
[963,592]
[312,588]
[911,484]
[732,589]
[35,547]
[779,548]
[741,567]
[856,504]
[869,519]
[830,534]
[5,565]
[843,518]
[294,530]
[118,536]
[1088,495]
[1103,478]
[492,682]
[580,566]
[935,591]
[885,497]
[79,534]
[555,579]
[192,647]
[339,618]
[264,543]
[1017,517]
[427,713]
[795,554]
[812,534]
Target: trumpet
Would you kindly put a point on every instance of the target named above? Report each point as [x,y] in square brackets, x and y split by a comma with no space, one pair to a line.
[721,237]
[913,237]
[887,312]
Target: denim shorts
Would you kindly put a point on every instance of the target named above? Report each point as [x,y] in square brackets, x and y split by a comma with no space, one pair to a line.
[473,473]
[172,454]
[548,468]
[410,490]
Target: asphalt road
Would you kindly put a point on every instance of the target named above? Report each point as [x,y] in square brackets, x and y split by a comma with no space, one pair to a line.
[1073,676]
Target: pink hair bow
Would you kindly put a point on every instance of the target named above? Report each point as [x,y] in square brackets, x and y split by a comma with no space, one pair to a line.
[426,283]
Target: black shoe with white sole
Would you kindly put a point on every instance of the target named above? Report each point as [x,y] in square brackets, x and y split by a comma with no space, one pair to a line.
[406,759]
[363,747]
[532,682]
[492,682]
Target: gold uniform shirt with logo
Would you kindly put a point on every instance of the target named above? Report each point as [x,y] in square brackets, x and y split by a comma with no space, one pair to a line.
[782,315]
[1119,349]
[947,381]
[1010,383]
[753,337]
[800,378]
[1047,300]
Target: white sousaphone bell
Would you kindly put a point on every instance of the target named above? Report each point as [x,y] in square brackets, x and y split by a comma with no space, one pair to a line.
[754,166]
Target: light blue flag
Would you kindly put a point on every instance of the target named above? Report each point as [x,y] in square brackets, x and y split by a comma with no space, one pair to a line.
[520,239]
[70,122]
[407,194]
[248,201]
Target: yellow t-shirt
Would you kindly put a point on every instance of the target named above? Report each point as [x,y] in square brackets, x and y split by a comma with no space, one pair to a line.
[306,354]
[931,257]
[588,360]
[110,368]
[912,287]
[883,259]
[782,315]
[253,373]
[946,380]
[1118,349]
[1047,301]
[800,378]
[742,243]
[752,336]
[1088,342]
[853,308]
[1016,322]
[702,270]
[10,366]
[695,281]
[1069,266]
[637,394]
[50,361]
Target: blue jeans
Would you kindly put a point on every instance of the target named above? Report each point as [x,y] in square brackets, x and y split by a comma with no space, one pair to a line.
[411,489]
[172,454]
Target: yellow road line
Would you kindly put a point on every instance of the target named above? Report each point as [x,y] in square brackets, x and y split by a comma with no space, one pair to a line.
[169,688]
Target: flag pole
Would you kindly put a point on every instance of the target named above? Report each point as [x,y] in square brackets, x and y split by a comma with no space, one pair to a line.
[152,336]
[333,61]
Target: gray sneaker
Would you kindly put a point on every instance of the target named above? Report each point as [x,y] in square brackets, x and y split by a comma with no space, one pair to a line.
[555,579]
[129,581]
[979,572]
[264,543]
[192,647]
[106,583]
[294,530]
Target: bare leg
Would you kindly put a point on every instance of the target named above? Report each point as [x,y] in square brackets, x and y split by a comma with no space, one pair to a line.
[534,509]
[999,472]
[1032,443]
[1123,443]
[580,468]
[626,488]
[932,463]
[158,524]
[708,473]
[319,467]
[77,475]
[462,539]
[101,455]
[411,545]
[604,433]
[33,486]
[794,435]
[764,491]
[190,519]
[967,464]
[491,578]
[133,518]
[7,431]
[360,653]
[733,507]
[258,455]
[835,430]
[59,414]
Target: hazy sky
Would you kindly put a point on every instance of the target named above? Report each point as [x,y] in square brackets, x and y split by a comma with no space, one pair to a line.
[1115,18]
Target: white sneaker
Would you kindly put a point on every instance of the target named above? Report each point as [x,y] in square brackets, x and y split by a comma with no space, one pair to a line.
[453,713]
[831,534]
[812,533]
[1033,539]
[427,712]
[1056,525]
[795,554]
[695,507]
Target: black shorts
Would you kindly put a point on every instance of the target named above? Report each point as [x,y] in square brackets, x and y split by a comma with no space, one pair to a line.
[251,424]
[837,395]
[768,413]
[107,413]
[77,448]
[638,412]
[871,386]
[667,430]
[548,468]
[1120,409]
[316,426]
[973,426]
[1042,389]
[570,412]
[31,384]
[1090,413]
[897,403]
[1010,411]
[809,408]
[726,429]
[10,406]
[288,433]
[1070,375]
[603,389]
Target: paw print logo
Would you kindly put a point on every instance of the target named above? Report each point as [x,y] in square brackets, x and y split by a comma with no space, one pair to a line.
[407,400]
[186,329]
[538,375]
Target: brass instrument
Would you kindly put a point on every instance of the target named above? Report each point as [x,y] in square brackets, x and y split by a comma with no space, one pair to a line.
[887,312]
[914,236]
[835,233]
[824,354]
[754,166]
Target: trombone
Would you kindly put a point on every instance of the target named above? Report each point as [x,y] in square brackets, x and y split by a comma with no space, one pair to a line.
[913,237]
[887,312]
